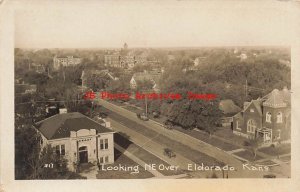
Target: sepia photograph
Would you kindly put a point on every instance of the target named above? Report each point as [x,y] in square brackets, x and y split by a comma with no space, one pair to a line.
[132,91]
[122,113]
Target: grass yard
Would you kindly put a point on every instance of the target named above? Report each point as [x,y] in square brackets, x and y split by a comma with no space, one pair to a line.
[210,140]
[248,155]
[278,150]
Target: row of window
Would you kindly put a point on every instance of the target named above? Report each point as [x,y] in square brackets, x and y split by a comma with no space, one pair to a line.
[103,159]
[60,149]
[103,144]
[269,116]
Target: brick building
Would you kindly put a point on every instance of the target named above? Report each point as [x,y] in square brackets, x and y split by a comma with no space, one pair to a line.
[77,138]
[267,118]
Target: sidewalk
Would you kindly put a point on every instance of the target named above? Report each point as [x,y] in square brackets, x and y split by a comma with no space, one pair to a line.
[137,160]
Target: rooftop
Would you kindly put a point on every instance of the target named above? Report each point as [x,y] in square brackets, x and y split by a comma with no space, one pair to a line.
[60,125]
[228,107]
[278,98]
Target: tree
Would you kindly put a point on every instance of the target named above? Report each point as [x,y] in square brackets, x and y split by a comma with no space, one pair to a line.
[30,158]
[253,145]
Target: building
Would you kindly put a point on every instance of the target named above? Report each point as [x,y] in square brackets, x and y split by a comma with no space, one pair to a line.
[228,109]
[89,76]
[125,61]
[267,118]
[243,56]
[152,76]
[128,61]
[25,88]
[198,61]
[39,68]
[113,60]
[65,61]
[77,138]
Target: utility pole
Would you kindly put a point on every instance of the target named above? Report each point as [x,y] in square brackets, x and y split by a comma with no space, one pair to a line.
[146,106]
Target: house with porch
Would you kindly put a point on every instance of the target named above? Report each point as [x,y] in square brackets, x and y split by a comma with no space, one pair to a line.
[267,118]
[77,138]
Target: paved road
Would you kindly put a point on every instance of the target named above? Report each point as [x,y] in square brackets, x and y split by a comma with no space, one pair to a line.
[128,118]
[153,147]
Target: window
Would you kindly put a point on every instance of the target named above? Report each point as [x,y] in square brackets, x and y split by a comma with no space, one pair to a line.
[106,144]
[279,134]
[279,117]
[251,126]
[57,150]
[62,150]
[103,159]
[268,117]
[237,126]
[252,110]
[103,144]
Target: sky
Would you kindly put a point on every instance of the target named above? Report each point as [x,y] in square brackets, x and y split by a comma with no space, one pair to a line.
[101,24]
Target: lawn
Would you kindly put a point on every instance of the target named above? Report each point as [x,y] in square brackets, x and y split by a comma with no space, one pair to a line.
[248,155]
[121,159]
[285,158]
[210,140]
[278,150]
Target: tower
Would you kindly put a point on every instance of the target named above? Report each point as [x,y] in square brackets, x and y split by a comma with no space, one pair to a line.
[125,46]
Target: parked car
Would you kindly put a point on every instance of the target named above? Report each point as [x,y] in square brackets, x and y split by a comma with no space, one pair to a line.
[168,125]
[142,116]
[168,152]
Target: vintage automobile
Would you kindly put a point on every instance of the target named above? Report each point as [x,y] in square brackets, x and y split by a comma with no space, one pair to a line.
[168,125]
[142,116]
[168,152]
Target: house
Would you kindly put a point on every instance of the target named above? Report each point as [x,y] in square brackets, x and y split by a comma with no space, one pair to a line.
[198,61]
[25,88]
[243,56]
[228,109]
[65,61]
[88,77]
[113,60]
[39,68]
[77,138]
[152,76]
[267,118]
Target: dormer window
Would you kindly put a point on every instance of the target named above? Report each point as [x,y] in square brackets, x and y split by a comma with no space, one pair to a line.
[268,117]
[252,110]
[279,117]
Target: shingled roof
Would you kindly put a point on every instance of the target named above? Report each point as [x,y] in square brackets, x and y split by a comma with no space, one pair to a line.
[228,107]
[60,125]
[278,98]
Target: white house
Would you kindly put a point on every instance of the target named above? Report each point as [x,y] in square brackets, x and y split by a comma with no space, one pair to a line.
[152,76]
[77,138]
